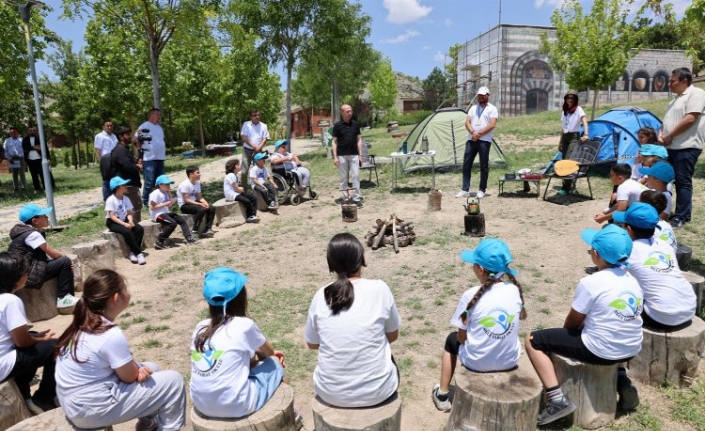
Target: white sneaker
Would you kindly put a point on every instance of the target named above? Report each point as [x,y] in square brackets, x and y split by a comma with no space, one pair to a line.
[252,219]
[66,302]
[462,194]
[132,257]
[480,194]
[140,259]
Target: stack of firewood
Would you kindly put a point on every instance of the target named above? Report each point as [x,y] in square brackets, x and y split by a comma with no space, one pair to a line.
[393,231]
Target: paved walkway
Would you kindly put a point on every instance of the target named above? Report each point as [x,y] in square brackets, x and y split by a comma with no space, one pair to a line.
[77,203]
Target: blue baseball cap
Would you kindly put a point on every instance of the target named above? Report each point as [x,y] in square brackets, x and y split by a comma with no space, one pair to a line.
[116,182]
[30,211]
[260,156]
[661,171]
[612,243]
[279,143]
[639,214]
[163,179]
[653,150]
[491,254]
[221,285]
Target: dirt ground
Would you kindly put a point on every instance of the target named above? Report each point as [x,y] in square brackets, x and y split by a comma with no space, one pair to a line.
[284,256]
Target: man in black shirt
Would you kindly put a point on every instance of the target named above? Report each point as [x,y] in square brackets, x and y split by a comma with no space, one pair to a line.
[125,166]
[347,151]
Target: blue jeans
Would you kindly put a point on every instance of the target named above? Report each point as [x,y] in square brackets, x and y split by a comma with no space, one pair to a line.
[106,190]
[267,376]
[683,162]
[472,148]
[151,170]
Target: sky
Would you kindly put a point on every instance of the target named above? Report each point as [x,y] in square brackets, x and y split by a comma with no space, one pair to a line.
[414,34]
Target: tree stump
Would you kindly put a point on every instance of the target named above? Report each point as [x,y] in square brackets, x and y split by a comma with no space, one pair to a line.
[117,243]
[474,225]
[53,420]
[698,283]
[263,205]
[229,214]
[277,414]
[93,256]
[592,388]
[385,417]
[190,221]
[12,406]
[508,400]
[683,256]
[77,273]
[40,304]
[669,356]
[151,233]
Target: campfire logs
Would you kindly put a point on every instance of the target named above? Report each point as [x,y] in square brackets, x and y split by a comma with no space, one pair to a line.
[393,231]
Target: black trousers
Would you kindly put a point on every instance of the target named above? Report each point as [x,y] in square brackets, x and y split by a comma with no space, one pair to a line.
[267,191]
[199,212]
[250,202]
[170,221]
[133,237]
[61,268]
[29,359]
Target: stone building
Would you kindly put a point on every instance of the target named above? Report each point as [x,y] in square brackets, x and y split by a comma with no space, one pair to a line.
[506,59]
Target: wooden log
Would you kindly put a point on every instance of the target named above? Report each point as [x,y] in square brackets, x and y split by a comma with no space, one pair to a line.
[117,243]
[229,214]
[386,417]
[683,256]
[508,400]
[53,420]
[378,238]
[474,225]
[592,388]
[669,357]
[698,283]
[151,233]
[40,304]
[92,256]
[277,414]
[394,235]
[77,273]
[12,407]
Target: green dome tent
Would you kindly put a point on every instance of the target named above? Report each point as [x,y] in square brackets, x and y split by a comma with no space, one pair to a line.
[446,134]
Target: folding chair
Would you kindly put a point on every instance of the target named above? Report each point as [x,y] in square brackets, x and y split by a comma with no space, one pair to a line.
[585,154]
[368,162]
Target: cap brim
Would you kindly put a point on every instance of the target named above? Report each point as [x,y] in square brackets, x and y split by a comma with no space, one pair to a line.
[588,234]
[619,216]
[46,211]
[468,256]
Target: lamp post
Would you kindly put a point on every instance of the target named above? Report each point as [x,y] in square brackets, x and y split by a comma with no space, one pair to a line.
[46,167]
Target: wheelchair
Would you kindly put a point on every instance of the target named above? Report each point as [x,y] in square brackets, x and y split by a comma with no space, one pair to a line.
[286,187]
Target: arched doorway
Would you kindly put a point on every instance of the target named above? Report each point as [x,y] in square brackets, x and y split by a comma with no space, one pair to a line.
[536,100]
[531,84]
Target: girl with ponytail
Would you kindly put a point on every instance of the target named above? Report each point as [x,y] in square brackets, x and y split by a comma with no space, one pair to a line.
[98,382]
[351,322]
[487,319]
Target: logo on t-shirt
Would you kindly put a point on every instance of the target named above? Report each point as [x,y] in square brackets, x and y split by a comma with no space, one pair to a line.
[206,363]
[626,306]
[659,261]
[498,323]
[667,237]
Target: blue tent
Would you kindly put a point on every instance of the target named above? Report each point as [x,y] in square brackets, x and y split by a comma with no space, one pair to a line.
[617,130]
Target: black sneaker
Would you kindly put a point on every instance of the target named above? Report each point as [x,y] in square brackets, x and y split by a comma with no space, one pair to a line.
[554,411]
[677,223]
[207,234]
[628,395]
[161,245]
[192,240]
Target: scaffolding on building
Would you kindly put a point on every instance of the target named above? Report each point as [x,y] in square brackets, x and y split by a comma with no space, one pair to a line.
[479,61]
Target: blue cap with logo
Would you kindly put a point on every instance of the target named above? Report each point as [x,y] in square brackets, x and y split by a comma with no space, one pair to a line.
[639,214]
[653,150]
[221,285]
[116,182]
[30,211]
[492,254]
[661,171]
[260,156]
[279,143]
[163,179]
[612,243]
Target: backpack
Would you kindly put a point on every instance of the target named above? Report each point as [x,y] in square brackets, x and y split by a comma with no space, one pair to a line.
[106,166]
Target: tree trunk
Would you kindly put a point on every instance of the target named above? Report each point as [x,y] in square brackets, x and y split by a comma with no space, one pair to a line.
[287,133]
[199,115]
[154,66]
[335,104]
[595,94]
[385,417]
[74,155]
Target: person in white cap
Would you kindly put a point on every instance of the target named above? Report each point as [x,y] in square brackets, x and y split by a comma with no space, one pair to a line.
[481,121]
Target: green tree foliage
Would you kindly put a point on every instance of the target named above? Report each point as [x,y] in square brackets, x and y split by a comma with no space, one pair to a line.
[435,88]
[592,49]
[693,27]
[383,86]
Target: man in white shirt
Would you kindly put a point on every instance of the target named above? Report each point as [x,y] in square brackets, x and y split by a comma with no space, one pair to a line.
[480,123]
[15,154]
[154,152]
[683,134]
[255,134]
[104,143]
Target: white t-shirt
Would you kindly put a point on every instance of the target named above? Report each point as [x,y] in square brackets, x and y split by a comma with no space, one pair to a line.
[630,191]
[12,316]
[188,188]
[480,118]
[260,173]
[104,142]
[156,148]
[692,100]
[34,154]
[255,132]
[355,367]
[158,197]
[572,122]
[665,234]
[612,301]
[34,240]
[493,342]
[219,377]
[102,353]
[289,166]
[119,207]
[668,296]
[229,184]
[636,174]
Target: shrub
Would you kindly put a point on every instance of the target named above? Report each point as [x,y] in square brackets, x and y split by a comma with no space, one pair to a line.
[67,158]
[52,158]
[404,119]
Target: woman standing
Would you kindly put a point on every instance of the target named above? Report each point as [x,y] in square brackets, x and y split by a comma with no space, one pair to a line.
[573,117]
